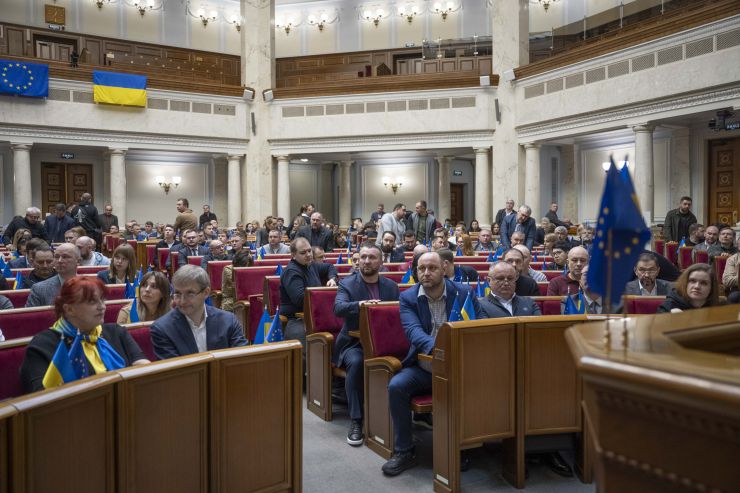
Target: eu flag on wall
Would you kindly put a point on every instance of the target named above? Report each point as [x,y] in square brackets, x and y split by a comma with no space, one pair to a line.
[24,79]
[118,88]
[621,233]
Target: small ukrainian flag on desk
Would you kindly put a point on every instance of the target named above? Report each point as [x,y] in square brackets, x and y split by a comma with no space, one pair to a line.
[122,89]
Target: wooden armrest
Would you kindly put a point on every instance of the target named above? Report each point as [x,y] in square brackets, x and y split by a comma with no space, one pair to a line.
[424,357]
[299,315]
[325,337]
[283,320]
[354,333]
[390,363]
[241,304]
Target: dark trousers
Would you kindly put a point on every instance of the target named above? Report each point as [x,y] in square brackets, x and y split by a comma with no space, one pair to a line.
[354,383]
[407,383]
[296,329]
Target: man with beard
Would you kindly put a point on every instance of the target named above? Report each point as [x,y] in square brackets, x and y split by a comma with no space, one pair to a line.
[317,234]
[677,221]
[388,247]
[43,267]
[88,255]
[365,286]
[85,214]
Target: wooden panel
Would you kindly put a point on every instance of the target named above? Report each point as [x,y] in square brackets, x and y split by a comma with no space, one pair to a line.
[79,180]
[95,51]
[467,64]
[53,186]
[16,41]
[6,414]
[448,65]
[724,181]
[157,403]
[257,442]
[485,66]
[430,66]
[48,433]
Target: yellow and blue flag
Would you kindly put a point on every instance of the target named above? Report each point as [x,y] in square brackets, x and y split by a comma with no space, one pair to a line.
[261,254]
[339,259]
[24,79]
[134,313]
[275,333]
[573,308]
[621,233]
[468,310]
[118,88]
[408,277]
[18,280]
[60,370]
[263,327]
[7,272]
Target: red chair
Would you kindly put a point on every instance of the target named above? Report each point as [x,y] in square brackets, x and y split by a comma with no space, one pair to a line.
[271,294]
[659,247]
[397,266]
[90,269]
[552,274]
[12,353]
[719,267]
[215,269]
[26,322]
[385,345]
[114,291]
[274,262]
[248,281]
[254,307]
[196,260]
[671,252]
[17,296]
[24,271]
[343,268]
[701,257]
[549,305]
[641,305]
[396,276]
[322,329]
[685,257]
[162,256]
[151,254]
[174,262]
[140,333]
[543,288]
[132,243]
[112,308]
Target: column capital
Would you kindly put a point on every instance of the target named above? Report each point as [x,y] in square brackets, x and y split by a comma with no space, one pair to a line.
[346,163]
[283,158]
[532,145]
[117,151]
[481,150]
[234,157]
[643,127]
[20,146]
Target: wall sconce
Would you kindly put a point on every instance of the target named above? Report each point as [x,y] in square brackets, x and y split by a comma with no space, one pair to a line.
[206,18]
[410,14]
[620,164]
[393,185]
[374,18]
[100,3]
[234,19]
[444,11]
[318,22]
[143,5]
[165,185]
[279,24]
[545,3]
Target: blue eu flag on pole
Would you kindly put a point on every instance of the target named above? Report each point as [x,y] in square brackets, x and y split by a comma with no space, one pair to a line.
[571,308]
[279,270]
[621,233]
[456,313]
[24,79]
[275,334]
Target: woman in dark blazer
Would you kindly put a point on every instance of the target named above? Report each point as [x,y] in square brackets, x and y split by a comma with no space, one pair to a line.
[122,267]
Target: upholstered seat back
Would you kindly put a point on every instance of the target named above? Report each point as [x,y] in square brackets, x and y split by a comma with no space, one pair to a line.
[151,253]
[542,286]
[11,359]
[685,258]
[140,333]
[552,274]
[549,305]
[26,322]
[386,334]
[271,293]
[671,252]
[701,257]
[660,247]
[114,291]
[719,267]
[17,296]
[395,276]
[90,269]
[274,262]
[318,310]
[642,305]
[162,255]
[256,305]
[215,270]
[196,260]
[112,308]
[250,280]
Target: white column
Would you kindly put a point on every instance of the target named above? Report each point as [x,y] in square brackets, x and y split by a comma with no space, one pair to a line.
[118,183]
[482,186]
[345,194]
[245,181]
[21,178]
[532,179]
[443,202]
[283,188]
[644,171]
[234,190]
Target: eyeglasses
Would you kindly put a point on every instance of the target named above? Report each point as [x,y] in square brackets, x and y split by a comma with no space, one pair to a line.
[508,280]
[646,271]
[187,295]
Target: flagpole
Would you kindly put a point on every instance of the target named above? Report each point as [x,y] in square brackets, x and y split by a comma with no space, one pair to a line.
[608,301]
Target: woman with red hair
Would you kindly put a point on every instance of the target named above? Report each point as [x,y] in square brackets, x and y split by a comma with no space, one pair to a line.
[79,344]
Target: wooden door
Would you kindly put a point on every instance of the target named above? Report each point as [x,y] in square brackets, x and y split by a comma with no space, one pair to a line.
[62,182]
[724,181]
[457,203]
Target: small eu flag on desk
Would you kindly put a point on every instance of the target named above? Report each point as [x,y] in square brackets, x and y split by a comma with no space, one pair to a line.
[24,79]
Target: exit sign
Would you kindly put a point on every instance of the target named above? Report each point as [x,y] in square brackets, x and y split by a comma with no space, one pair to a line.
[457,172]
[68,155]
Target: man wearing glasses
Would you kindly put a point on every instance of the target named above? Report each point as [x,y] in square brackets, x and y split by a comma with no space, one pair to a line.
[193,327]
[647,282]
[519,222]
[502,300]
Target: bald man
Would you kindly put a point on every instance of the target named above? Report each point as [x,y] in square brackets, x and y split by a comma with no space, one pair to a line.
[66,259]
[88,255]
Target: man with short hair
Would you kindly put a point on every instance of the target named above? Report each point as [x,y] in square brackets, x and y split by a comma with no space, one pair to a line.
[504,213]
[207,216]
[560,255]
[188,248]
[562,234]
[185,218]
[43,267]
[57,223]
[31,222]
[301,273]
[107,218]
[677,221]
[442,235]
[527,270]
[365,286]
[88,255]
[149,232]
[525,285]
[318,254]
[517,238]
[502,300]
[647,282]
[192,326]
[66,259]
[85,214]
[274,246]
[215,252]
[457,273]
[393,222]
[316,233]
[711,234]
[421,222]
[485,241]
[696,235]
[379,213]
[423,309]
[724,247]
[521,222]
[388,248]
[552,216]
[409,242]
[570,282]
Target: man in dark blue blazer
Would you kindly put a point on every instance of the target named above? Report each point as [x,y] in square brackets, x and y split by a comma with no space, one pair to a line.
[58,223]
[424,308]
[364,286]
[521,221]
[388,248]
[503,301]
[188,248]
[192,327]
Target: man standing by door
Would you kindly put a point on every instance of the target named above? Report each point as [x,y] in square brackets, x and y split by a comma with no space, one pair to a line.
[85,214]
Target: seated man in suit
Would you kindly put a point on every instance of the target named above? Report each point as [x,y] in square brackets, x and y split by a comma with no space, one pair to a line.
[647,282]
[362,287]
[388,248]
[460,272]
[424,308]
[215,252]
[66,259]
[193,327]
[43,266]
[525,286]
[502,300]
[188,248]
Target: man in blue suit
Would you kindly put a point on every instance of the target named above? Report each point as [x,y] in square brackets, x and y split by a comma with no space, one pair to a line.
[188,248]
[363,287]
[58,223]
[424,308]
[193,327]
[521,221]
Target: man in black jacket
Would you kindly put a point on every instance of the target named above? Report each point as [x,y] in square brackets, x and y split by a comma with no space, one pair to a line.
[525,286]
[85,214]
[677,221]
[317,234]
[31,222]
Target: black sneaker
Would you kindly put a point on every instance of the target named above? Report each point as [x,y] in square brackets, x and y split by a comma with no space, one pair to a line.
[424,420]
[355,437]
[399,463]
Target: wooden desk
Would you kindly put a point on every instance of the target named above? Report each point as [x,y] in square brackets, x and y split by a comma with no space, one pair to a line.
[664,406]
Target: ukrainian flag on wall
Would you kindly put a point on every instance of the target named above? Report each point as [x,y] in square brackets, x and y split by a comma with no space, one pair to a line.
[115,88]
[24,79]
